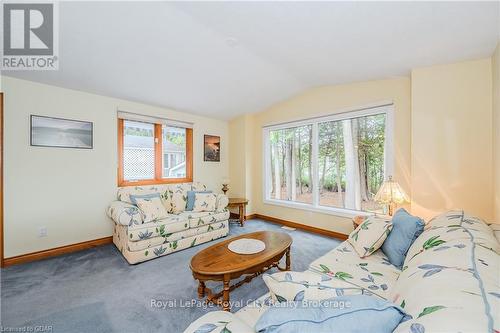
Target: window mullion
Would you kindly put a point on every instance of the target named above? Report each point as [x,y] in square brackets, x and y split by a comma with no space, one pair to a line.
[266,158]
[158,152]
[120,151]
[315,175]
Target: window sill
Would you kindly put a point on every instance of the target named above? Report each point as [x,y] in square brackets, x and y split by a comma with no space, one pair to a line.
[154,181]
[347,213]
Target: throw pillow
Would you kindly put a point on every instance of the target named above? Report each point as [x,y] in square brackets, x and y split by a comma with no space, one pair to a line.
[134,197]
[349,314]
[152,209]
[406,228]
[204,202]
[191,197]
[176,198]
[370,235]
[298,286]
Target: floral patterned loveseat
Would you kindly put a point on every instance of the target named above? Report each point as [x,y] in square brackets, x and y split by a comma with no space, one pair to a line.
[450,281]
[139,241]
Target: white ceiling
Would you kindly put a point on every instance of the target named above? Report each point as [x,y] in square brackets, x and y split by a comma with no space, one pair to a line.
[223,59]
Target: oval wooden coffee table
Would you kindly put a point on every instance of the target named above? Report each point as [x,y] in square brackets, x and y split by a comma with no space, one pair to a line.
[218,263]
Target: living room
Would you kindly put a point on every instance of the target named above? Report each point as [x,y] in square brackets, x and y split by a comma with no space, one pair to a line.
[169,163]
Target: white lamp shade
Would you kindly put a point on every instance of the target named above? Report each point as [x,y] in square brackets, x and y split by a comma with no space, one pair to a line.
[390,192]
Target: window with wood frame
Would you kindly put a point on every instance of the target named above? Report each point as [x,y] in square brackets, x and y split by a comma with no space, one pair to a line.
[153,151]
[332,164]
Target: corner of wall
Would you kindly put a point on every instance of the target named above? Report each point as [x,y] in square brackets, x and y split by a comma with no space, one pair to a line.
[495,60]
[241,154]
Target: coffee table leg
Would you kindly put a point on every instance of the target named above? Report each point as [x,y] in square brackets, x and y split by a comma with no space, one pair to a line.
[201,289]
[225,294]
[288,259]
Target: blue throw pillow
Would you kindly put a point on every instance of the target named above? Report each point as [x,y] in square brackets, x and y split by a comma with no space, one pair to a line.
[134,197]
[405,229]
[348,314]
[190,199]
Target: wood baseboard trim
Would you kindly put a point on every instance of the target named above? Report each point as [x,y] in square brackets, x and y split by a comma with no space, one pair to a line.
[24,258]
[301,226]
[251,216]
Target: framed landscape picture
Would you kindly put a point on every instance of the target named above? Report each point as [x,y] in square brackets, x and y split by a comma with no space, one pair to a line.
[60,133]
[211,152]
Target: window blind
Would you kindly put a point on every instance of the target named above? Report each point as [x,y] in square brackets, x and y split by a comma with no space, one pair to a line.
[151,119]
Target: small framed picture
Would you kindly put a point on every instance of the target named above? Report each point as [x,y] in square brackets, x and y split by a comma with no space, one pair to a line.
[61,133]
[211,151]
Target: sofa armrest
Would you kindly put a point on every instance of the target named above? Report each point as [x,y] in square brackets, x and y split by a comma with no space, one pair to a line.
[124,213]
[221,202]
[217,322]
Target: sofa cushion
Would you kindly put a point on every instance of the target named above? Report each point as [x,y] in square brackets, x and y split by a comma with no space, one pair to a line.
[251,313]
[121,240]
[191,198]
[450,277]
[164,227]
[152,208]
[370,235]
[373,274]
[357,313]
[453,225]
[298,286]
[219,322]
[197,219]
[171,237]
[405,229]
[204,202]
[175,197]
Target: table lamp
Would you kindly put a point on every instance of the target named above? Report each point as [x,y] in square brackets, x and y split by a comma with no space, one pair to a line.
[391,194]
[225,183]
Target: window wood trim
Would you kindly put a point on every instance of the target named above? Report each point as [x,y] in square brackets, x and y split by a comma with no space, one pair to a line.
[158,159]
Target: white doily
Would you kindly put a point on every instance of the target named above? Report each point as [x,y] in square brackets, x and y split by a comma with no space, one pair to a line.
[246,246]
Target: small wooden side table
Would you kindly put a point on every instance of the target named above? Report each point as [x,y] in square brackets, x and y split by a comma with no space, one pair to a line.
[241,203]
[357,220]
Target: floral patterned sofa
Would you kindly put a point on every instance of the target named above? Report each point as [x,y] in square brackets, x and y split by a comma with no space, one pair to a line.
[450,281]
[139,241]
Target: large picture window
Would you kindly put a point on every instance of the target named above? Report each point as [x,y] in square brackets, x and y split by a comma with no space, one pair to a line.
[153,153]
[333,163]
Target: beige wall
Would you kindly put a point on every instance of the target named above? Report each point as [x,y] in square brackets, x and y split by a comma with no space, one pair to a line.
[240,159]
[67,190]
[237,158]
[452,139]
[324,101]
[496,129]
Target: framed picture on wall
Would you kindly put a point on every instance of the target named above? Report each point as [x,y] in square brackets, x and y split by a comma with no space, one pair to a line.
[61,133]
[211,150]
